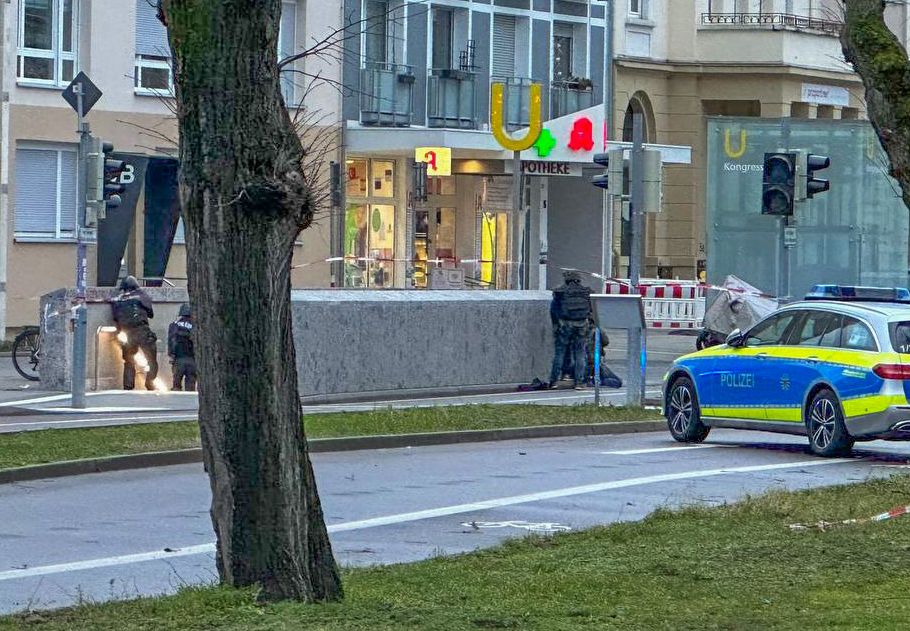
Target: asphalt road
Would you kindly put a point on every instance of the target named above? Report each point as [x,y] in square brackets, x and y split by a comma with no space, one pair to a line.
[132,533]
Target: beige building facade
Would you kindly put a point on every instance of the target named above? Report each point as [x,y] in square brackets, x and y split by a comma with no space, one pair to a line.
[121,46]
[683,62]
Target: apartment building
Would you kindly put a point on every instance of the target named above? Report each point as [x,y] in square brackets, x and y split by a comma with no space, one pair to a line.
[419,75]
[123,48]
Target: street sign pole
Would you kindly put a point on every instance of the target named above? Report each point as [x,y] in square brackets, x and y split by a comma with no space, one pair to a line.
[79,310]
[81,94]
[635,391]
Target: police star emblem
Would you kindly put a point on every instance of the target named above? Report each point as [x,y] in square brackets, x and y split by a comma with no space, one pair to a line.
[785,382]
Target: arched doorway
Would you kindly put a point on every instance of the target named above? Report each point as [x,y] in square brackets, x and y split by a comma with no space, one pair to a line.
[638,104]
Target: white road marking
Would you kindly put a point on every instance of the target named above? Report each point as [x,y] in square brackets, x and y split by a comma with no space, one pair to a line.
[457,509]
[655,450]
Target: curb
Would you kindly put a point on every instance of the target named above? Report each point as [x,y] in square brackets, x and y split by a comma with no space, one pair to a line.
[325,445]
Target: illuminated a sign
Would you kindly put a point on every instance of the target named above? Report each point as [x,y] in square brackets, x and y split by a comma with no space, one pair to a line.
[438,159]
[582,136]
[545,143]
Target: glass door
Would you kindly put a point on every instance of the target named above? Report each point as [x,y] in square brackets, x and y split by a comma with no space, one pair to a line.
[434,242]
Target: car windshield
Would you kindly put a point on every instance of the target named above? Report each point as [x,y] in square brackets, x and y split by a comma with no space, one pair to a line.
[900,336]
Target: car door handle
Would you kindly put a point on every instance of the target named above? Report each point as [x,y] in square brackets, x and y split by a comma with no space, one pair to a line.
[812,358]
[761,355]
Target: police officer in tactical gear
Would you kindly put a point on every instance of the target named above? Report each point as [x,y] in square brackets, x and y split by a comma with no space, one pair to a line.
[570,310]
[180,349]
[132,309]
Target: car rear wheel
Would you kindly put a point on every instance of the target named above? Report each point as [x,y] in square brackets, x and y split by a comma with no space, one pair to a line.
[828,435]
[683,413]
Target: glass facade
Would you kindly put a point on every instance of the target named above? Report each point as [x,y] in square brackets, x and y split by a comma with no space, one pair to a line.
[856,233]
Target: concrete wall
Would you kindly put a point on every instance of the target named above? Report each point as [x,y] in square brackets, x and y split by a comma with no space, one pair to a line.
[57,338]
[349,340]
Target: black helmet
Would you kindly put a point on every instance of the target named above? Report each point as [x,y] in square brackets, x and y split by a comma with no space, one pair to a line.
[185,311]
[129,284]
[571,276]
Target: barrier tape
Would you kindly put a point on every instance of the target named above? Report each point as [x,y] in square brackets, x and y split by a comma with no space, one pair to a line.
[828,525]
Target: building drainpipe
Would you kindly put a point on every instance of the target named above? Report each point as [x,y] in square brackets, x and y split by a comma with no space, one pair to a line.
[5,155]
[607,242]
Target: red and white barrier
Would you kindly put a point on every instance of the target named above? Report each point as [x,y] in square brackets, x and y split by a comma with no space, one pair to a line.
[667,304]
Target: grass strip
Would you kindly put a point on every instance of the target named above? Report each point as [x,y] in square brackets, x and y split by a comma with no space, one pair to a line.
[732,567]
[54,445]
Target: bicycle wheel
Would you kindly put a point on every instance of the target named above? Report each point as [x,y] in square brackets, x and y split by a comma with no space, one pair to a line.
[26,348]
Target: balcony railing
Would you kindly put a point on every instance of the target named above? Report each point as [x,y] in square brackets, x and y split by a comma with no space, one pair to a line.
[387,94]
[450,99]
[799,22]
[568,97]
[517,101]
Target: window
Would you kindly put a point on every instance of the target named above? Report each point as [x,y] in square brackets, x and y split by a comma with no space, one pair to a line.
[152,72]
[443,27]
[635,8]
[856,336]
[369,224]
[772,331]
[287,46]
[900,336]
[377,32]
[562,52]
[45,193]
[814,327]
[502,62]
[47,41]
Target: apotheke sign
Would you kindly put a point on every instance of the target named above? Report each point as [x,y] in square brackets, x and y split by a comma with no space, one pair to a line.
[542,167]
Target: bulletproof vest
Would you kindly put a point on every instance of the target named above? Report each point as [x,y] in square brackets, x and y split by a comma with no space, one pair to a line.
[129,312]
[575,303]
[183,342]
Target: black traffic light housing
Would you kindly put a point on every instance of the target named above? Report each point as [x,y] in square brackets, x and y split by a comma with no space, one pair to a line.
[612,180]
[778,184]
[113,170]
[815,185]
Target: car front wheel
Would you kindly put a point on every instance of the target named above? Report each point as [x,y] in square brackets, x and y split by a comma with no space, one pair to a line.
[825,426]
[683,413]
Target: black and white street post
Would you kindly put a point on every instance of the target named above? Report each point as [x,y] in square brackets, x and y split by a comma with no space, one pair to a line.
[79,311]
[635,389]
[82,95]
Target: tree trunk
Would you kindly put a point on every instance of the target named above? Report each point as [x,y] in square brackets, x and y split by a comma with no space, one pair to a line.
[245,199]
[881,61]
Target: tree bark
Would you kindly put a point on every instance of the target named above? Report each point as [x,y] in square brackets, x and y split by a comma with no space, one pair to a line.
[881,62]
[245,198]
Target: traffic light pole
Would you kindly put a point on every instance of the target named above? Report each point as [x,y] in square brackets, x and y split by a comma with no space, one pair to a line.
[79,318]
[635,390]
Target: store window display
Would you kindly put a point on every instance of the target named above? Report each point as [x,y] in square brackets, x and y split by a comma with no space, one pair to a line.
[369,224]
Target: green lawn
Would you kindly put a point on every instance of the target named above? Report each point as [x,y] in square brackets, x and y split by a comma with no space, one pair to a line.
[53,445]
[734,567]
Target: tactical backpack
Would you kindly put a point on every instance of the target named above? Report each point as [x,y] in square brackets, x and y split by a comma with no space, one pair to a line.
[575,303]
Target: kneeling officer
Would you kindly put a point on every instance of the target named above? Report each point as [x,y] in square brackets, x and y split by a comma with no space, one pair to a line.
[180,349]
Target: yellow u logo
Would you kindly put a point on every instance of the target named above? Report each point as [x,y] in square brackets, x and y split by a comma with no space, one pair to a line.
[535,124]
[728,149]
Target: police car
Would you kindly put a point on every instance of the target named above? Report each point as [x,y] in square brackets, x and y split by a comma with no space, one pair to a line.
[835,367]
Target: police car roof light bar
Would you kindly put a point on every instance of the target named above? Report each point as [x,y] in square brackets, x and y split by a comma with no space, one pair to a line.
[851,293]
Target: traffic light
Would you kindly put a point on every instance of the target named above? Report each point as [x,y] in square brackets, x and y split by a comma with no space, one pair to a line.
[94,184]
[815,185]
[778,184]
[612,180]
[113,170]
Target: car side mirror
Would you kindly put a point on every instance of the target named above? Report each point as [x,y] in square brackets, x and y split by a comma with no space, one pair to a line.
[736,338]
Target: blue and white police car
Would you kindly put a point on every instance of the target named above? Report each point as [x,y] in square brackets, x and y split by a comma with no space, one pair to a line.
[834,367]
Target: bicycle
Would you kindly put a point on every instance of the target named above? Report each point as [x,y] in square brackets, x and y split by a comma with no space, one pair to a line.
[26,352]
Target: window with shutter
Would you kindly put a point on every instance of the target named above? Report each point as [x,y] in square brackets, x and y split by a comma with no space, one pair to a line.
[287,46]
[46,190]
[503,58]
[153,53]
